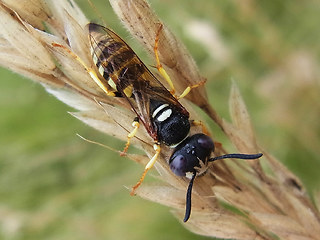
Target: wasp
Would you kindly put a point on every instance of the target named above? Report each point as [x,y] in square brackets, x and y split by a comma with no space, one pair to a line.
[120,73]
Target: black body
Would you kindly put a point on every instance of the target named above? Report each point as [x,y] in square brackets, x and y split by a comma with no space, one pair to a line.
[173,129]
[165,119]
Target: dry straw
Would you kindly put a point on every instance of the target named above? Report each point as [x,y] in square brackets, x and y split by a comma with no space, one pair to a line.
[235,199]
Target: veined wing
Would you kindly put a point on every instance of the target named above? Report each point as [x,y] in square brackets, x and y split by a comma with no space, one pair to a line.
[126,74]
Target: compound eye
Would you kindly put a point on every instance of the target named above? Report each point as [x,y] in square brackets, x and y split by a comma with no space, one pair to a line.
[205,142]
[178,165]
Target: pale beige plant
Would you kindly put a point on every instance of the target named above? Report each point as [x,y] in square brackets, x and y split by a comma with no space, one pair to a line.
[257,199]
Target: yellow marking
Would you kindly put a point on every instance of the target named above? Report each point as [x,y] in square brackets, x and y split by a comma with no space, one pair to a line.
[94,58]
[91,72]
[159,109]
[149,165]
[165,74]
[167,78]
[136,126]
[164,115]
[112,83]
[101,70]
[185,92]
[188,89]
[159,65]
[189,175]
[128,91]
[100,84]
[153,160]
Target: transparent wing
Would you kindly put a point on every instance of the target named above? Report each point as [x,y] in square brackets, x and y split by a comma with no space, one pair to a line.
[123,71]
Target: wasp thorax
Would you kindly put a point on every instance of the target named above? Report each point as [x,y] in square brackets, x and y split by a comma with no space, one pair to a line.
[172,126]
[191,155]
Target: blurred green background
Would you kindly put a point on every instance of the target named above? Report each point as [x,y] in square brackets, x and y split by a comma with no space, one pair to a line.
[53,185]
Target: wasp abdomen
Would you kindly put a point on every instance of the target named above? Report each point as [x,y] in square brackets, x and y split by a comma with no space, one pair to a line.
[116,63]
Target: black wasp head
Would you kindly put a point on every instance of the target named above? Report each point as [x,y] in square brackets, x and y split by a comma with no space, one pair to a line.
[191,154]
[190,158]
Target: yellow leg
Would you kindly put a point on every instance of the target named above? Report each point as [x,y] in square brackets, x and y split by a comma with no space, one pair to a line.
[91,72]
[165,74]
[159,65]
[199,123]
[149,165]
[136,126]
[188,89]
